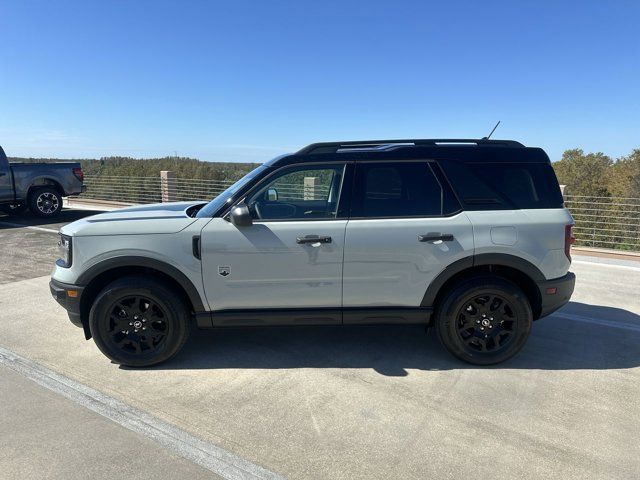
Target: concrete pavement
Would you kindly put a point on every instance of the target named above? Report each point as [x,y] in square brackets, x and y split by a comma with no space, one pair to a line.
[30,252]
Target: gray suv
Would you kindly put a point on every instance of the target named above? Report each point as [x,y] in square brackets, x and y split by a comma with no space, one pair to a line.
[468,236]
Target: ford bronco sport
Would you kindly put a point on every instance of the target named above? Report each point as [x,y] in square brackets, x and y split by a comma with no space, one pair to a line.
[469,236]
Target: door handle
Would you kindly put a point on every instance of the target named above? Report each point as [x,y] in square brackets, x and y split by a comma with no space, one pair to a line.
[313,239]
[434,237]
[2,174]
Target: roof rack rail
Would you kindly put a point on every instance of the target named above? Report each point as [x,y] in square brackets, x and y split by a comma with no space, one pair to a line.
[385,145]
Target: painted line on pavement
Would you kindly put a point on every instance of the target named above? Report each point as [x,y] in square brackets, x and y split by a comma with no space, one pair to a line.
[96,208]
[207,455]
[19,225]
[598,321]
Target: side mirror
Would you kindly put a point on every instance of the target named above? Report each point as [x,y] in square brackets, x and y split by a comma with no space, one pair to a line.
[240,216]
[272,195]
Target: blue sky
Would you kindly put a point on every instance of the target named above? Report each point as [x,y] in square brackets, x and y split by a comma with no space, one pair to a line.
[247,80]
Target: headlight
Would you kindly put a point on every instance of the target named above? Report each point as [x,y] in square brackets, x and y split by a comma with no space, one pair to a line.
[65,251]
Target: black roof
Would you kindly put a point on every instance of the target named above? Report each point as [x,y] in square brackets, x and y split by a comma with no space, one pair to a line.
[464,150]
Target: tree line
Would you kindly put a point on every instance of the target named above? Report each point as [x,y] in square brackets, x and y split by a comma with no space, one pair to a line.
[603,195]
[598,175]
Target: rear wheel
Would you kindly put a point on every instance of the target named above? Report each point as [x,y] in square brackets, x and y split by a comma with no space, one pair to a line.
[13,208]
[139,322]
[484,320]
[45,202]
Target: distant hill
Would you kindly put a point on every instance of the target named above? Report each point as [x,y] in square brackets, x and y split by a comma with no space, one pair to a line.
[151,167]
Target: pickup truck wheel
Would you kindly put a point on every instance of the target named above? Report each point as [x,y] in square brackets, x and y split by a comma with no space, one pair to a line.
[13,208]
[484,320]
[139,322]
[45,202]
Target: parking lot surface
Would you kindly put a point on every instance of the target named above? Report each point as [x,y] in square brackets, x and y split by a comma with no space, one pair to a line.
[30,252]
[349,402]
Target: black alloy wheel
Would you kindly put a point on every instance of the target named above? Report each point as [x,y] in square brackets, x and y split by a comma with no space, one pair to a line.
[137,325]
[486,323]
[484,320]
[45,202]
[139,321]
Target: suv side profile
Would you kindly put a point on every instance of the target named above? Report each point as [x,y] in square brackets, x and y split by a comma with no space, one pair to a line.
[468,236]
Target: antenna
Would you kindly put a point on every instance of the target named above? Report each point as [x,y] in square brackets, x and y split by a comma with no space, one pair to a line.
[494,129]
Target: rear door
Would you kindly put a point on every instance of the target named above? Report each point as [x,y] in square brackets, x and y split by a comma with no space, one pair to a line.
[405,228]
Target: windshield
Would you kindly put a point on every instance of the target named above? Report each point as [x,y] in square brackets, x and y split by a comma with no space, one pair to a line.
[214,205]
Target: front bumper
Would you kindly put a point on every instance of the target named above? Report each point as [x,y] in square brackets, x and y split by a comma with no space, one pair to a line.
[69,297]
[556,293]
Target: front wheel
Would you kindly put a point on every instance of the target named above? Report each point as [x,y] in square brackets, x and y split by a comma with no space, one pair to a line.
[45,202]
[484,320]
[139,322]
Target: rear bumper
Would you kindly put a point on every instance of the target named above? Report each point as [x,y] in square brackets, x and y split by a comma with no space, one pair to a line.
[552,299]
[70,301]
[75,190]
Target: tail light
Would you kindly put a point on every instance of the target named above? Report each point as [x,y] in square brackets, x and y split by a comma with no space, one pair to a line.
[79,174]
[569,240]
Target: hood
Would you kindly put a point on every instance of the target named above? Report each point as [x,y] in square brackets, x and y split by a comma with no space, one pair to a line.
[143,219]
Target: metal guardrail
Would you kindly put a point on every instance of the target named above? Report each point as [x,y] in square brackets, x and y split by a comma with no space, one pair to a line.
[608,222]
[137,190]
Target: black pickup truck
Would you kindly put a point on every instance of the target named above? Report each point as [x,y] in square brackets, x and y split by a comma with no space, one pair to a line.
[37,186]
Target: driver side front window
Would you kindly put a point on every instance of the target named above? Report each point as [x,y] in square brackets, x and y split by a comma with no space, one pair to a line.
[299,193]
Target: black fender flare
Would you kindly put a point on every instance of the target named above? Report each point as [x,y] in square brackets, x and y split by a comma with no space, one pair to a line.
[47,181]
[145,262]
[502,259]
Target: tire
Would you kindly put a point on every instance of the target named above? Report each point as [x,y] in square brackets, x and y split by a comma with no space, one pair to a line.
[45,202]
[155,318]
[484,320]
[12,209]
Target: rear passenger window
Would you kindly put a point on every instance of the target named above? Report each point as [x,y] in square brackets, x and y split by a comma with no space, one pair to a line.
[383,183]
[398,189]
[514,183]
[489,186]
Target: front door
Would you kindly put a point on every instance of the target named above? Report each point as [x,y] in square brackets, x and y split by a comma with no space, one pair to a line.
[403,231]
[289,259]
[6,186]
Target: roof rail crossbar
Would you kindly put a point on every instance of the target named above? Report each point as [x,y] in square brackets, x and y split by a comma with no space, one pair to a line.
[383,145]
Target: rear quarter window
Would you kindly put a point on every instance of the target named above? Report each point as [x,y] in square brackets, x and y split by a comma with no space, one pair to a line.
[495,186]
